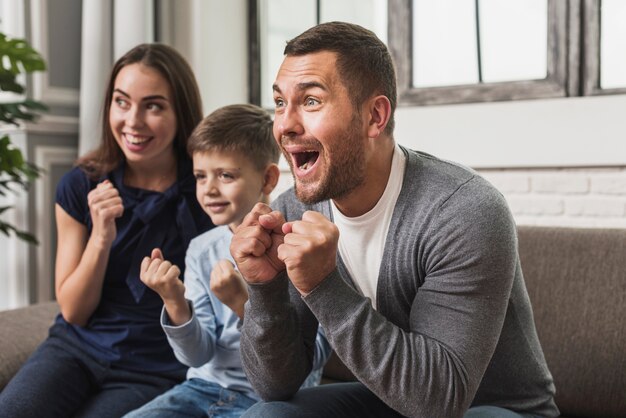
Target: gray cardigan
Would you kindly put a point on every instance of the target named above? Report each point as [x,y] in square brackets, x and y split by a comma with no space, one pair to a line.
[453,327]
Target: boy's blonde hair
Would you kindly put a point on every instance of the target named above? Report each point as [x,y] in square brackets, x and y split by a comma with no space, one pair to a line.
[242,128]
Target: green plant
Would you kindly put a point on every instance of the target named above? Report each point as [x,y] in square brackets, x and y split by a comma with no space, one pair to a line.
[16,57]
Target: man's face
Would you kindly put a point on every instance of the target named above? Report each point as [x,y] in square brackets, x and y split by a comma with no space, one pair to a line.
[317,128]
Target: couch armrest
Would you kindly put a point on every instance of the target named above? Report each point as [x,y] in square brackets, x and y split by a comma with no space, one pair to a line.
[22,330]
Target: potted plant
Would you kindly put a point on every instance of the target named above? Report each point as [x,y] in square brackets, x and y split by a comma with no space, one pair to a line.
[16,57]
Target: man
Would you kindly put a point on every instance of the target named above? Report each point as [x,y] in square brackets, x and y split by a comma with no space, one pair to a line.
[408,262]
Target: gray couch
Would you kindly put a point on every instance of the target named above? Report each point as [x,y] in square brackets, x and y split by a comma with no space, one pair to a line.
[576,279]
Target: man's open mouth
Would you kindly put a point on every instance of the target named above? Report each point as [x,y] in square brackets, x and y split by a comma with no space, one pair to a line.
[306,159]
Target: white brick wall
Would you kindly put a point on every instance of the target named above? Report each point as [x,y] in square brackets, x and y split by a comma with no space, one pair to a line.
[580,197]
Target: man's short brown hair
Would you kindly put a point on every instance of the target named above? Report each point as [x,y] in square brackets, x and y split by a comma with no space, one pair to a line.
[363,63]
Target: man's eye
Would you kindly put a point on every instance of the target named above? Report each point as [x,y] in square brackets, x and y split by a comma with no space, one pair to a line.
[199,176]
[310,101]
[279,102]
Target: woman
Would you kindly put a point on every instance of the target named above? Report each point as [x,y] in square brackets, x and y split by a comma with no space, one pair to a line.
[106,354]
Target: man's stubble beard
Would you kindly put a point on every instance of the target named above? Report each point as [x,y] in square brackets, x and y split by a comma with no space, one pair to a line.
[345,172]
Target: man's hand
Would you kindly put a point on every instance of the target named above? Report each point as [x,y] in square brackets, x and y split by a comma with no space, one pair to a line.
[229,287]
[254,246]
[164,278]
[309,250]
[105,204]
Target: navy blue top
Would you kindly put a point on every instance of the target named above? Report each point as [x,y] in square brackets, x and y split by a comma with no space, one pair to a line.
[125,329]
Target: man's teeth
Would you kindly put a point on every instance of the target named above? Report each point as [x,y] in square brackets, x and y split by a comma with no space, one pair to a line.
[304,166]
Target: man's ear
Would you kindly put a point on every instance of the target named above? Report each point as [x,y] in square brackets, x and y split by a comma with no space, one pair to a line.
[270,178]
[379,111]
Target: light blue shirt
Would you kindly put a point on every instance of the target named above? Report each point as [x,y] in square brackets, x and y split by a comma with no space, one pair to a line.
[209,342]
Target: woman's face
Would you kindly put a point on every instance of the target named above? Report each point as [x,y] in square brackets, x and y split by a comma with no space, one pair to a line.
[142,116]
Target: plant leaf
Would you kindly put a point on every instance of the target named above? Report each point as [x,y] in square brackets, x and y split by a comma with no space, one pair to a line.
[8,228]
[20,56]
[16,57]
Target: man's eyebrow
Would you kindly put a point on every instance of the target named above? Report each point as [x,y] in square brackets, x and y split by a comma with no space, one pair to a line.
[153,97]
[302,86]
[309,85]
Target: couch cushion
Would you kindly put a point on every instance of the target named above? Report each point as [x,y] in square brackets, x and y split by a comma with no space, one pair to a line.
[576,279]
[21,331]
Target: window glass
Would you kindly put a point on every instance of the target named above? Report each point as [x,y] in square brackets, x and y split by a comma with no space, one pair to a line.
[454,43]
[444,43]
[613,44]
[513,39]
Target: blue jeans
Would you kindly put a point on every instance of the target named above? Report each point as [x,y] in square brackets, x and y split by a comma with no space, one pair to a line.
[494,412]
[349,400]
[61,380]
[195,398]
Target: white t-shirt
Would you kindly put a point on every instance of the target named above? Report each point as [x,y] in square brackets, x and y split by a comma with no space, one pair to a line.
[362,238]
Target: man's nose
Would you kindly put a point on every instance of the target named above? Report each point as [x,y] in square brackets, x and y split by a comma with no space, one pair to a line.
[289,122]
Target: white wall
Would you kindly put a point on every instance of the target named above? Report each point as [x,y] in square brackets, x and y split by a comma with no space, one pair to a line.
[557,161]
[577,131]
[581,197]
[213,36]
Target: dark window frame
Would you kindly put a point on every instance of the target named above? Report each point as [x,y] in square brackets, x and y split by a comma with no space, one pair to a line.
[562,61]
[591,62]
[254,53]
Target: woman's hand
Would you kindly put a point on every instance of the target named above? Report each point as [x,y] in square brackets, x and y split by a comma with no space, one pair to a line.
[105,205]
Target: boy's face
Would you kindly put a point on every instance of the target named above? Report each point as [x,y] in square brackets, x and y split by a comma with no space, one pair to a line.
[228,186]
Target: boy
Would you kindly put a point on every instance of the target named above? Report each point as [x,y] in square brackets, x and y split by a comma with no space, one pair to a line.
[234,162]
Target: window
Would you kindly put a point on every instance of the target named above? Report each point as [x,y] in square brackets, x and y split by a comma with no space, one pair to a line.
[458,51]
[471,42]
